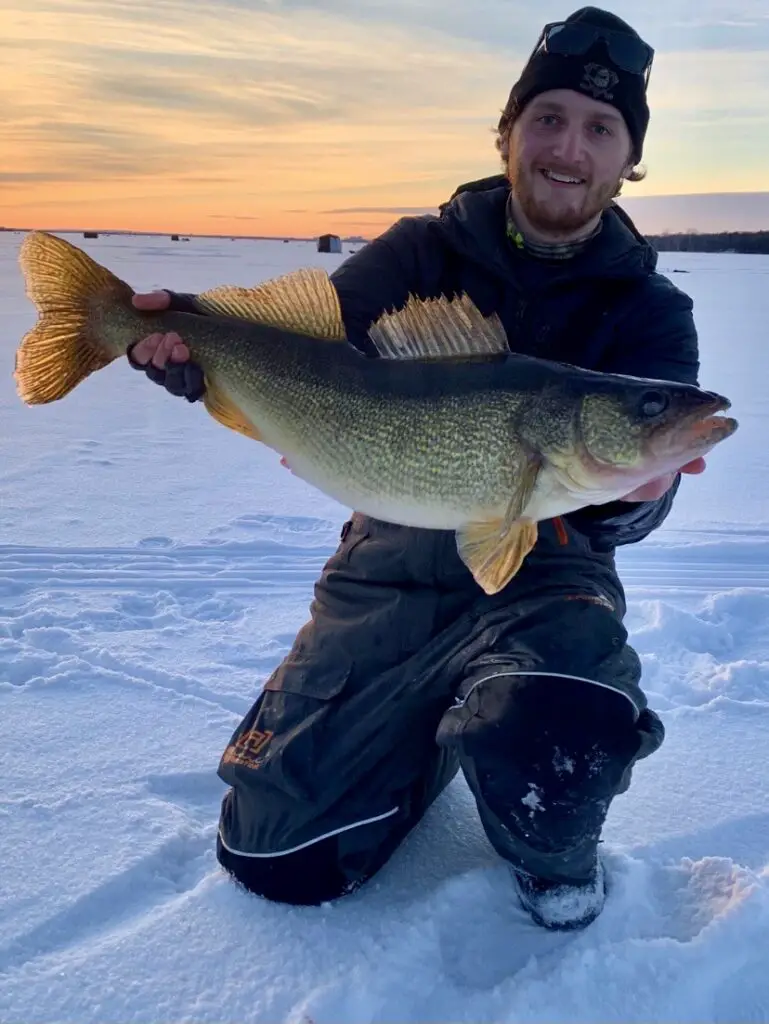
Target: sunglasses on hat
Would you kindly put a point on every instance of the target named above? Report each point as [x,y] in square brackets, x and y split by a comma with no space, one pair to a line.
[574,39]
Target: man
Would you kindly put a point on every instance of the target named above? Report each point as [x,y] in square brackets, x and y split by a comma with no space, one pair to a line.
[406,671]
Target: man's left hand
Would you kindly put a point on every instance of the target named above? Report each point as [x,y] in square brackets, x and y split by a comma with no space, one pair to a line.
[656,488]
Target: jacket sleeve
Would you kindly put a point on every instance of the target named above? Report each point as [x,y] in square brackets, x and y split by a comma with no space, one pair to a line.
[659,341]
[380,277]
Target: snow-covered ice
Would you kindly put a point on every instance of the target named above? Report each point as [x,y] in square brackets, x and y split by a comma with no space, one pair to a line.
[154,568]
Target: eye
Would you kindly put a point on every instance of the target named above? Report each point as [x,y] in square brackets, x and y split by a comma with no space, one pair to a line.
[653,403]
[548,118]
[601,129]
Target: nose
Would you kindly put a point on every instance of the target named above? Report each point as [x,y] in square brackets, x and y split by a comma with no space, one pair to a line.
[569,145]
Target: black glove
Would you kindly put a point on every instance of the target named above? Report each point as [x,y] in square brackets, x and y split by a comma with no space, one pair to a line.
[185,380]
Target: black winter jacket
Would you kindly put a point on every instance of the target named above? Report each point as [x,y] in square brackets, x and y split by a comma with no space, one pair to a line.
[606,308]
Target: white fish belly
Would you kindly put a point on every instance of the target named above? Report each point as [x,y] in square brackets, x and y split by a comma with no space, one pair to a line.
[392,508]
[551,498]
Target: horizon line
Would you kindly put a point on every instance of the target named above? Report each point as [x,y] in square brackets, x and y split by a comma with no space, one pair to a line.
[395,210]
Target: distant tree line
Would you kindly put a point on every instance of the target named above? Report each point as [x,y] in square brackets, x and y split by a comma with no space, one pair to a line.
[754,242]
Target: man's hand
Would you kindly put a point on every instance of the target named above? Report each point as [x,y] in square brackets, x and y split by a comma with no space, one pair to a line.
[656,488]
[165,357]
[157,348]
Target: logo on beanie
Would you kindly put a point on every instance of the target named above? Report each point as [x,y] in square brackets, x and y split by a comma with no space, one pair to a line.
[598,80]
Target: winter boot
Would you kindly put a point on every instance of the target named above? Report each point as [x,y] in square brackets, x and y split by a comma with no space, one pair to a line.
[561,906]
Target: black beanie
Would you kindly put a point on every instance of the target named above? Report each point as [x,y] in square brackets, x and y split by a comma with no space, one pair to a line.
[592,73]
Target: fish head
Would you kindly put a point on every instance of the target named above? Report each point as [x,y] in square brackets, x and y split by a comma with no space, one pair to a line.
[626,431]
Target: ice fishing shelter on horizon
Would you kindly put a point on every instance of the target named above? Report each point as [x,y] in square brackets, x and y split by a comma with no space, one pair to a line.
[329,243]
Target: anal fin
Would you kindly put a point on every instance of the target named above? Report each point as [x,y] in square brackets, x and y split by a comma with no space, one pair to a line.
[226,412]
[494,549]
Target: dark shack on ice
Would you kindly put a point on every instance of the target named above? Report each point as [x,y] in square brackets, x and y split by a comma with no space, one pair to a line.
[329,243]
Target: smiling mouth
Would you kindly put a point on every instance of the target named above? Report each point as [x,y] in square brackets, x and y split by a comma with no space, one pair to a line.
[560,179]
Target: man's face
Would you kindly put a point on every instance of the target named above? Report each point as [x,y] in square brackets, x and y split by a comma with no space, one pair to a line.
[562,134]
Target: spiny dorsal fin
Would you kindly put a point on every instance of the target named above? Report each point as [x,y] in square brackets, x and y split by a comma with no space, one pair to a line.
[304,301]
[438,329]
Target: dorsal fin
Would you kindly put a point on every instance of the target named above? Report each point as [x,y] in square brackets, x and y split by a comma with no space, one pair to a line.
[438,329]
[304,301]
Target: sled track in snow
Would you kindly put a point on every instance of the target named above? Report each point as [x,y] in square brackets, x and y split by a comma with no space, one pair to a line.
[272,568]
[703,576]
[266,567]
[733,561]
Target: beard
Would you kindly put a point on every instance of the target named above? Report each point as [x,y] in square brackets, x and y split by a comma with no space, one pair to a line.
[558,213]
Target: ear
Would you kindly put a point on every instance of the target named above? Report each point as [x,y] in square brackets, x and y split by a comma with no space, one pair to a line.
[631,163]
[503,144]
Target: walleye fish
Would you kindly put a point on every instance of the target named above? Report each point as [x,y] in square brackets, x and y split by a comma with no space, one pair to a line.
[447,430]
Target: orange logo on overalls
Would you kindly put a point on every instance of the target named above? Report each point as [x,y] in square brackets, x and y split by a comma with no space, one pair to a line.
[245,749]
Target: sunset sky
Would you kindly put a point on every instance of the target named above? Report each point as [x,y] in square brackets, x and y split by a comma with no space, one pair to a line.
[292,117]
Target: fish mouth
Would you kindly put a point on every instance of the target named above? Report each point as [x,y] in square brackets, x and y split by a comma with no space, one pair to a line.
[707,423]
[713,428]
[704,427]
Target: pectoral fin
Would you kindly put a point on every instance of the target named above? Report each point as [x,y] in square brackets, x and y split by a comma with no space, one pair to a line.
[494,549]
[225,411]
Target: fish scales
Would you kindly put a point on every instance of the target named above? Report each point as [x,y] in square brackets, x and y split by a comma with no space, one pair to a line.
[411,439]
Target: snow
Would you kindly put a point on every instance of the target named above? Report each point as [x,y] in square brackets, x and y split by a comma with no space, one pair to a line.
[155,567]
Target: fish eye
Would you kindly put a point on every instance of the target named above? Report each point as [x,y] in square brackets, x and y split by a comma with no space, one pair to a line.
[653,403]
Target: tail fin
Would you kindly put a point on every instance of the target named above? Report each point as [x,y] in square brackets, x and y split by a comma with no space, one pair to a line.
[68,288]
